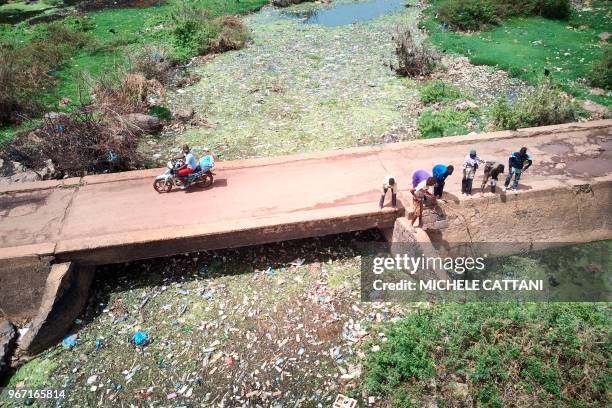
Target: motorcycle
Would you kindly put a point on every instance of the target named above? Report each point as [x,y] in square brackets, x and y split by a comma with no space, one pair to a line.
[202,176]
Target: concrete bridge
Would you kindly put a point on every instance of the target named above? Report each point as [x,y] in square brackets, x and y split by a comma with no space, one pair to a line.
[104,219]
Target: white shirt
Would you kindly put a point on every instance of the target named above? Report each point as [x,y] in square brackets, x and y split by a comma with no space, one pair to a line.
[421,188]
[385,184]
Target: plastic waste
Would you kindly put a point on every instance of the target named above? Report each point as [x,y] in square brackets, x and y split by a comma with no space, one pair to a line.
[140,338]
[70,341]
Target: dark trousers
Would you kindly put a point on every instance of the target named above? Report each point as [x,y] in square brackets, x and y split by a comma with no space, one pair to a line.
[439,188]
[487,175]
[517,178]
[466,185]
[393,198]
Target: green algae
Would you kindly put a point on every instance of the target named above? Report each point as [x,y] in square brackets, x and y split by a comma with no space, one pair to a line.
[301,87]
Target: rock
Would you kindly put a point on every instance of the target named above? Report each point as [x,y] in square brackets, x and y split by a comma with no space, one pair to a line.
[605,36]
[49,171]
[142,122]
[465,105]
[25,177]
[184,114]
[7,342]
[55,115]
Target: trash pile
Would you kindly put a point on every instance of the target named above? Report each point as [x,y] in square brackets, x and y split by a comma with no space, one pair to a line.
[275,325]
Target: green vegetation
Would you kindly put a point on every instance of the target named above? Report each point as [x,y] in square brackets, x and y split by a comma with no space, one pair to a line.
[601,73]
[438,91]
[112,35]
[545,105]
[445,122]
[161,112]
[25,68]
[527,46]
[448,120]
[501,354]
[478,14]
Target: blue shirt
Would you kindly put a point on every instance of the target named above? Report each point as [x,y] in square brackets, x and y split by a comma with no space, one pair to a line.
[191,161]
[518,160]
[440,172]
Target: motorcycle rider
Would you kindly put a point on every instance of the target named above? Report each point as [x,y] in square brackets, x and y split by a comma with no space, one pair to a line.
[190,166]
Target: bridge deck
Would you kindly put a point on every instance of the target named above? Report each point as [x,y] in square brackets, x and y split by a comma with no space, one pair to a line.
[119,217]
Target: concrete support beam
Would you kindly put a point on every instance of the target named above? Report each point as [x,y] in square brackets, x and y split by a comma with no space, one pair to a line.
[22,280]
[65,294]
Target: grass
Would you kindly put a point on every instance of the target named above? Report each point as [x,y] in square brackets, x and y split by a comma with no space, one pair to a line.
[526,46]
[496,354]
[438,91]
[444,122]
[114,31]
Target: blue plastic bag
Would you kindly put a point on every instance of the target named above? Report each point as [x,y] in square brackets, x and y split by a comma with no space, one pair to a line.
[207,162]
[69,341]
[140,338]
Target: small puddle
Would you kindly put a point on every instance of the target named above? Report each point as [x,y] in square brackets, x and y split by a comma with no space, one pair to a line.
[345,13]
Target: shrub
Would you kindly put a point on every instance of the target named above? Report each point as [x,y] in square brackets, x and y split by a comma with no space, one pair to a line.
[152,62]
[545,105]
[196,32]
[232,34]
[24,71]
[601,72]
[413,57]
[161,112]
[77,143]
[23,76]
[438,91]
[554,9]
[129,95]
[468,15]
[492,347]
[193,29]
[444,122]
[471,15]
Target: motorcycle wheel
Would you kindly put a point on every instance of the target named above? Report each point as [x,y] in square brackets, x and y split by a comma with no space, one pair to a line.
[162,186]
[207,179]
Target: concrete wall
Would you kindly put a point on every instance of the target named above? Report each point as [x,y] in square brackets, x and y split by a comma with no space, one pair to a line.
[22,283]
[573,213]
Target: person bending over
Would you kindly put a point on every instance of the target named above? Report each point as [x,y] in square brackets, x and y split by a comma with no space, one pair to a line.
[419,194]
[440,173]
[518,163]
[389,183]
[492,170]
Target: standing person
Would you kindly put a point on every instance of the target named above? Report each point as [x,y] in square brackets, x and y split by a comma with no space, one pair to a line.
[518,163]
[470,165]
[440,173]
[419,194]
[389,183]
[491,170]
